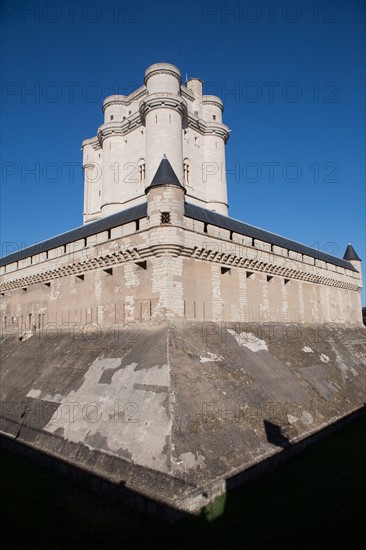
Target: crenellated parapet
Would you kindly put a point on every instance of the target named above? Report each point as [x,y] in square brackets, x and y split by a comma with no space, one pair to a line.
[161,117]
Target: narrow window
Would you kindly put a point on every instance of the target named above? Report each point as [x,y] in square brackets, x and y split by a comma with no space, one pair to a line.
[214,117]
[142,265]
[250,274]
[111,118]
[286,281]
[137,222]
[141,172]
[109,271]
[269,278]
[186,172]
[205,226]
[165,217]
[79,278]
[225,271]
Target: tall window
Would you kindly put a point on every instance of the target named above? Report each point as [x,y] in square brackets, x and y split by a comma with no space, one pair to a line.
[141,171]
[186,172]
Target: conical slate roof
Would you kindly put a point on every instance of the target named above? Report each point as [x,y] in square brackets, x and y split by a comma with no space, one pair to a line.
[351,254]
[164,175]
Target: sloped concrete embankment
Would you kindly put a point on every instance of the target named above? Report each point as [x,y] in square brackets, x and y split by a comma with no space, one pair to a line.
[170,416]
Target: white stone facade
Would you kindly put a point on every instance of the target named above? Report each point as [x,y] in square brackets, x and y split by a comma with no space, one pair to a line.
[161,117]
[148,268]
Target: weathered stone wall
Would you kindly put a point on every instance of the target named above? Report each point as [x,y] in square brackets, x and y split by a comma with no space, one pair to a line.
[180,270]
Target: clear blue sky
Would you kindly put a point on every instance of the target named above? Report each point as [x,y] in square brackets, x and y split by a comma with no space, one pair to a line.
[292,80]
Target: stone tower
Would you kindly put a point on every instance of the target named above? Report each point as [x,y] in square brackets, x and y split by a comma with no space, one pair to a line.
[162,117]
[169,350]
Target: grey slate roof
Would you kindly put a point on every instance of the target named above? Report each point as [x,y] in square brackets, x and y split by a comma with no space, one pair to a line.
[125,216]
[191,211]
[208,216]
[351,254]
[164,175]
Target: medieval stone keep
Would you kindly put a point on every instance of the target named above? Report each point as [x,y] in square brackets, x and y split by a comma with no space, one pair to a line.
[157,243]
[163,349]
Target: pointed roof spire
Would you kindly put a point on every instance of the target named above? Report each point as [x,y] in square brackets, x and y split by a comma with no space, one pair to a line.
[351,254]
[164,175]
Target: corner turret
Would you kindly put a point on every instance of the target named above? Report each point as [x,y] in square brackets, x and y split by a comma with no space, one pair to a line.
[165,208]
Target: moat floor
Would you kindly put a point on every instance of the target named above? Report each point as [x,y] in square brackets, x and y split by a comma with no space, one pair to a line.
[315,500]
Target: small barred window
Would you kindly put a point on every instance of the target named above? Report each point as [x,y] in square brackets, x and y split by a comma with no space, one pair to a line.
[165,217]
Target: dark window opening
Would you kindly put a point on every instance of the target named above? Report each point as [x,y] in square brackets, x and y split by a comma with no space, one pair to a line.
[165,217]
[79,277]
[109,271]
[286,281]
[231,235]
[225,271]
[24,289]
[47,284]
[214,117]
[137,222]
[142,265]
[269,278]
[142,173]
[250,274]
[186,173]
[109,233]
[205,226]
[111,117]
